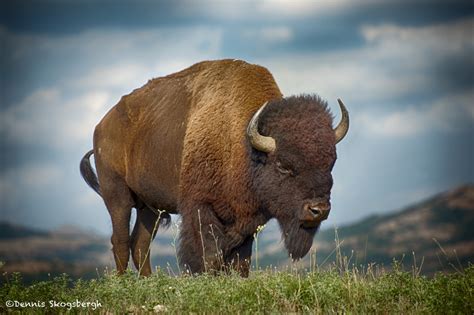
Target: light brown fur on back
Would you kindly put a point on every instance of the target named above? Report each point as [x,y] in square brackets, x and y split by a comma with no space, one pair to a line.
[193,120]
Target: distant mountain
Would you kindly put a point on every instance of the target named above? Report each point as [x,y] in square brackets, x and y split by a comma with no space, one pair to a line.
[10,231]
[39,254]
[440,231]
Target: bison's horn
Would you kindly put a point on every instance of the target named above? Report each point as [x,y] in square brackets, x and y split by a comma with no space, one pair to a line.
[343,126]
[259,142]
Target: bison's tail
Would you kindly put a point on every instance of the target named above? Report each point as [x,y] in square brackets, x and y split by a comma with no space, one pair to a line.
[88,173]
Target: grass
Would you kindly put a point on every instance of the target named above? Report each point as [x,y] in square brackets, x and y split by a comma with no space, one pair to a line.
[338,288]
[265,291]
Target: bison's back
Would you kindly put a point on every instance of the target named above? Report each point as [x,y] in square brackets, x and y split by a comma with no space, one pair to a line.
[147,137]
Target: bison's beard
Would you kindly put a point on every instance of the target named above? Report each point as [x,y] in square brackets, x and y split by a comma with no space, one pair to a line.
[298,240]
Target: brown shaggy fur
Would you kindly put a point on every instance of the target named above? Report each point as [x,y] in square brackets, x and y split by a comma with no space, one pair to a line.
[179,144]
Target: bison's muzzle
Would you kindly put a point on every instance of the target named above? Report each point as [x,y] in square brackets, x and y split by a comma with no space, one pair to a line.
[313,213]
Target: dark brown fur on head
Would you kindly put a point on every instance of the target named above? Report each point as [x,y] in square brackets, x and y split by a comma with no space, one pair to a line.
[298,172]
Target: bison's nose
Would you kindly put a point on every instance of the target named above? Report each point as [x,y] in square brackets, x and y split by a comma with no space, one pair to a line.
[316,212]
[319,212]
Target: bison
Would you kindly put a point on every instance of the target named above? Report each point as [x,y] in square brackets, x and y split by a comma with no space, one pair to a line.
[218,144]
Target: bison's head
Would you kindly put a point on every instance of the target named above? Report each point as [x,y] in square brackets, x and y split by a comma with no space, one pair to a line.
[294,151]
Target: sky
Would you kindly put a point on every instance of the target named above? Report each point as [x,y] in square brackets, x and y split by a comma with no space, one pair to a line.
[403,68]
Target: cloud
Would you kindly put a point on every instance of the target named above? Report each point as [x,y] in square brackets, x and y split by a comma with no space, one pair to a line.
[99,42]
[415,54]
[27,179]
[449,114]
[394,65]
[115,60]
[7,194]
[269,35]
[38,175]
[49,118]
[47,195]
[116,76]
[267,9]
[63,114]
[454,36]
[302,7]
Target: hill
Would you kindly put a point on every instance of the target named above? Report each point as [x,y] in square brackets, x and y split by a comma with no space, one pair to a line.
[264,292]
[438,230]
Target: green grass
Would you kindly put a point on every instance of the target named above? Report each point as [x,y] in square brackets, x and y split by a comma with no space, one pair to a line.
[269,291]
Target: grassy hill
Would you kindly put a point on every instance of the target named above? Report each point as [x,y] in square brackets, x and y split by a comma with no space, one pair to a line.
[351,271]
[332,291]
[438,231]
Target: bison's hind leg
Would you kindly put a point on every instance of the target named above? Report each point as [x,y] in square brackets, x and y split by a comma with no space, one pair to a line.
[144,231]
[119,202]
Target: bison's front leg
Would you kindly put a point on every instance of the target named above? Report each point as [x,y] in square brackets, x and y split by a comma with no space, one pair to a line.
[240,239]
[202,240]
[240,257]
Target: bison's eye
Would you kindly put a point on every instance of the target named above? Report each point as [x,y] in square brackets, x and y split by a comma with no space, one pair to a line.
[283,170]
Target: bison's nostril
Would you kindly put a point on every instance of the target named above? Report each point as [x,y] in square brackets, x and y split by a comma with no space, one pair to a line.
[315,211]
